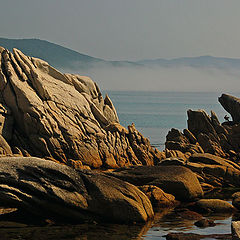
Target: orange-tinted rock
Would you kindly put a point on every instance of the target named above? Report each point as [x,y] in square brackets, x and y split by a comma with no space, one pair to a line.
[157,196]
[63,116]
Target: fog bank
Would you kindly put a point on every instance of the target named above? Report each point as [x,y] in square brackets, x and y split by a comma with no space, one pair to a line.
[164,79]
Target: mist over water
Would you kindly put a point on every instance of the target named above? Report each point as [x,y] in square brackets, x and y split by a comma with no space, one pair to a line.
[182,78]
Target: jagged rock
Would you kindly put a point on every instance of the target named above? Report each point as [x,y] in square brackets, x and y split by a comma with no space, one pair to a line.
[205,134]
[232,105]
[54,191]
[176,141]
[192,139]
[200,122]
[216,124]
[210,144]
[63,116]
[176,180]
[4,147]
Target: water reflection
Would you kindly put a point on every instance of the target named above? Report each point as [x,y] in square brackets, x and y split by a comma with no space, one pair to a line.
[175,222]
[77,232]
[165,221]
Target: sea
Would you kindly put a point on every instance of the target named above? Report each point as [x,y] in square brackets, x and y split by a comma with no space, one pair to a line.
[155,113]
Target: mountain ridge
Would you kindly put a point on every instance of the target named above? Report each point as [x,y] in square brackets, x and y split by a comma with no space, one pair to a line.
[66,58]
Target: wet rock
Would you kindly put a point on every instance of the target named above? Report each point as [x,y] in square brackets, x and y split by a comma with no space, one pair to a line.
[53,191]
[213,205]
[203,223]
[176,180]
[188,214]
[183,236]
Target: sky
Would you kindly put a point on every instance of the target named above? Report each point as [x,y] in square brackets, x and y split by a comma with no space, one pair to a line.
[128,29]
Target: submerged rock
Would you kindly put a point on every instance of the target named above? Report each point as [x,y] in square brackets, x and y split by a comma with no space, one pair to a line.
[53,191]
[203,223]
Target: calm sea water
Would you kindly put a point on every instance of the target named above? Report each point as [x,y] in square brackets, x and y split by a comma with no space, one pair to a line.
[155,113]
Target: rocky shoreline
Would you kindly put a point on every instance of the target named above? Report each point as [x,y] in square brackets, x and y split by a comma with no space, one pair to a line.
[65,158]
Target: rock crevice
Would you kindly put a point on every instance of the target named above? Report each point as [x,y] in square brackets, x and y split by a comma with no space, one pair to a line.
[63,117]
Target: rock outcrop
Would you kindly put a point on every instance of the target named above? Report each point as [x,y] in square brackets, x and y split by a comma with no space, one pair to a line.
[59,193]
[179,181]
[232,105]
[63,117]
[205,134]
[207,147]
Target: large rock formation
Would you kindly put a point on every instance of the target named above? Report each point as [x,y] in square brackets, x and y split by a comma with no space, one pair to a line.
[57,192]
[207,147]
[205,134]
[63,117]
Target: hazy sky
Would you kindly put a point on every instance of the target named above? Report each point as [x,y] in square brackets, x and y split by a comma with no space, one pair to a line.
[128,29]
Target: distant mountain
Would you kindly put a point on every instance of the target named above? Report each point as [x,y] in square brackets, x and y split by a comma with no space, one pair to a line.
[65,58]
[196,62]
[56,55]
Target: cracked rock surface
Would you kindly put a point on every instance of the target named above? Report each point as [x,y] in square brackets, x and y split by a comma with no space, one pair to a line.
[63,117]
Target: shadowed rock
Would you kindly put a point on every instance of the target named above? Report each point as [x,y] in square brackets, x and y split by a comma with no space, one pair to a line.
[53,191]
[213,205]
[176,180]
[232,105]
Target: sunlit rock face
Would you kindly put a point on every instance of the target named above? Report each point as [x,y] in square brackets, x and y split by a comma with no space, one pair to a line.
[63,117]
